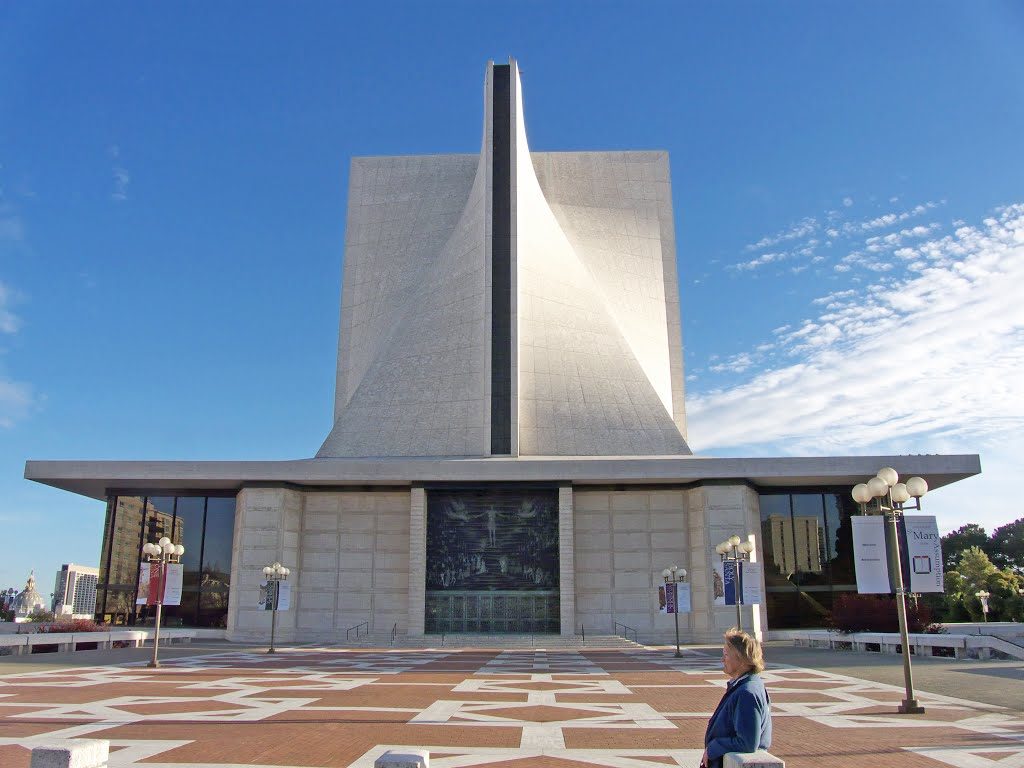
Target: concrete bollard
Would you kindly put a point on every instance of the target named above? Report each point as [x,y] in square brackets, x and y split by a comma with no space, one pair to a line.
[71,753]
[759,759]
[410,758]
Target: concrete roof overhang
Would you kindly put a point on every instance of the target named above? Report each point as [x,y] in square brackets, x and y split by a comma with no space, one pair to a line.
[97,479]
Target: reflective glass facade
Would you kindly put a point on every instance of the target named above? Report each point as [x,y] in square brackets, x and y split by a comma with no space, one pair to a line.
[203,524]
[808,554]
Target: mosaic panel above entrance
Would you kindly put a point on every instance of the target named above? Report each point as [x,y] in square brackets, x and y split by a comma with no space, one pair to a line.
[492,561]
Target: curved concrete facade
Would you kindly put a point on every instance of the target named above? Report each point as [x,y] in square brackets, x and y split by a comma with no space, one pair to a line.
[596,351]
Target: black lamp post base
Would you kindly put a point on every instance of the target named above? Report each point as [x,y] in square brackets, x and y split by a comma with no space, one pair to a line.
[271,650]
[910,707]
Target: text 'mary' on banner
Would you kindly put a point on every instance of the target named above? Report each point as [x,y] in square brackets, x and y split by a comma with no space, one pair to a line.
[924,552]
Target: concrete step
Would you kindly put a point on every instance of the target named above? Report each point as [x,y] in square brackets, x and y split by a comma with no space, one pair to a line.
[481,640]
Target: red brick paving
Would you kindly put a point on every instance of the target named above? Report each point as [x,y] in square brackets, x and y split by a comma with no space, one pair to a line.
[335,727]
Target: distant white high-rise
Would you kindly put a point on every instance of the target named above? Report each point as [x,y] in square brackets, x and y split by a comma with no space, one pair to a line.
[74,591]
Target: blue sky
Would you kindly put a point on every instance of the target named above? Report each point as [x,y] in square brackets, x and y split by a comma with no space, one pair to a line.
[849,194]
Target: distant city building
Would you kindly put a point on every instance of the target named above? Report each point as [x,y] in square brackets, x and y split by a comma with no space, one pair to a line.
[797,543]
[28,601]
[74,591]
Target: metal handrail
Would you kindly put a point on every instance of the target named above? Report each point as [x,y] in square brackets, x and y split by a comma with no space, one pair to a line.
[394,633]
[625,631]
[357,627]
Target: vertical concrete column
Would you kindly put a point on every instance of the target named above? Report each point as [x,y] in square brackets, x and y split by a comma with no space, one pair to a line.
[721,511]
[267,522]
[417,560]
[566,563]
[701,568]
[752,510]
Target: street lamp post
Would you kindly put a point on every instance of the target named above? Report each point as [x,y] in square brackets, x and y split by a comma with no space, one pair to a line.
[734,550]
[983,596]
[885,495]
[274,574]
[160,555]
[675,576]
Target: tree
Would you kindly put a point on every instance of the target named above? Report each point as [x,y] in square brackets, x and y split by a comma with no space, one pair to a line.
[957,542]
[975,572]
[1007,546]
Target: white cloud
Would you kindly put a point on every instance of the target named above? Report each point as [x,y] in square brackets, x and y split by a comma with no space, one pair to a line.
[11,228]
[760,261]
[9,322]
[801,229]
[15,401]
[735,364]
[120,175]
[847,202]
[926,359]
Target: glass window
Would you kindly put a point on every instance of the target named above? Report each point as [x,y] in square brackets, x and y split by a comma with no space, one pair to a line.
[188,531]
[841,563]
[213,608]
[205,526]
[126,543]
[159,518]
[217,542]
[775,523]
[808,553]
[808,539]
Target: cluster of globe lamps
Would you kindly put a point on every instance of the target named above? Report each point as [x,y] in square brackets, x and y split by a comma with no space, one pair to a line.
[889,496]
[161,552]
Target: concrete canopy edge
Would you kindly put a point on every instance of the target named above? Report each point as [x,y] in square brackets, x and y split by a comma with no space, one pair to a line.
[94,478]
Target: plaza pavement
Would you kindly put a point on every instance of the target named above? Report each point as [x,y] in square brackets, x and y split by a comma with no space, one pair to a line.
[218,704]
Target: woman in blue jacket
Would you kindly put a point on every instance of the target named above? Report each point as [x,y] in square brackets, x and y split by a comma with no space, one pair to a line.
[742,722]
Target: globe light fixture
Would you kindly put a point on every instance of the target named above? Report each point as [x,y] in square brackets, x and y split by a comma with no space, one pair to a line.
[159,555]
[885,495]
[675,575]
[735,550]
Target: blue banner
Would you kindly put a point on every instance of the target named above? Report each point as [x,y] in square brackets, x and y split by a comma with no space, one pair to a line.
[733,585]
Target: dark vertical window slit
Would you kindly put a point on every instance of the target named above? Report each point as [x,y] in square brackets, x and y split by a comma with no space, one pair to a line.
[501,263]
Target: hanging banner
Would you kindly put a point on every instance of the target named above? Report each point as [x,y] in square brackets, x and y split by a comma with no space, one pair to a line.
[149,583]
[284,595]
[924,553]
[718,583]
[265,601]
[732,583]
[683,597]
[143,597]
[870,555]
[662,606]
[670,598]
[172,583]
[750,578]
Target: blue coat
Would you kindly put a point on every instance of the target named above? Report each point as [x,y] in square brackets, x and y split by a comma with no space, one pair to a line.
[742,722]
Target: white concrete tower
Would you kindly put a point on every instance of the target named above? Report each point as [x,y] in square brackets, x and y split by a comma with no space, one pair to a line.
[509,303]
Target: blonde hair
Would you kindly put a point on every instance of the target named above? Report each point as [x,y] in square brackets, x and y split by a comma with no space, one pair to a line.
[747,648]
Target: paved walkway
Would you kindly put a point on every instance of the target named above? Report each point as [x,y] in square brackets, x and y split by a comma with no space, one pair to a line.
[314,707]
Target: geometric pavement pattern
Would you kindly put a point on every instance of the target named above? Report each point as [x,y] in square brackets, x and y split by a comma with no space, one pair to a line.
[632,708]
